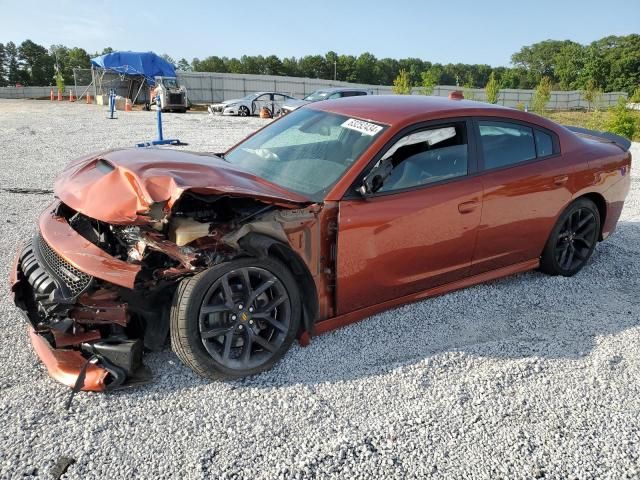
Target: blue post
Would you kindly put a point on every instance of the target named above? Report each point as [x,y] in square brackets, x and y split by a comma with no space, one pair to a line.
[160,140]
[159,107]
[112,104]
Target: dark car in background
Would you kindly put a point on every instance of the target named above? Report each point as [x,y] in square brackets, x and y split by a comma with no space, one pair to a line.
[324,94]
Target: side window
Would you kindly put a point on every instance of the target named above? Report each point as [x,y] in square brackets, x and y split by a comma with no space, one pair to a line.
[352,94]
[424,157]
[335,95]
[506,144]
[544,143]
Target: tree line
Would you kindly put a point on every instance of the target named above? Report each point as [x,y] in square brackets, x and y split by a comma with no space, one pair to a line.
[609,64]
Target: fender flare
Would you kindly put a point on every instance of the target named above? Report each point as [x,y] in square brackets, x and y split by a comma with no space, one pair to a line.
[260,245]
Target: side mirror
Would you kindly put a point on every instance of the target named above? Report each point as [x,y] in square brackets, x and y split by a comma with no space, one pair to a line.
[371,183]
[375,180]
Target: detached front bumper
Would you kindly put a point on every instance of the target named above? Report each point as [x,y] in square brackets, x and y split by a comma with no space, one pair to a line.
[53,282]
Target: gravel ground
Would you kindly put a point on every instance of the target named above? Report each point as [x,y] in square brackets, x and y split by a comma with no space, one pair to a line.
[526,377]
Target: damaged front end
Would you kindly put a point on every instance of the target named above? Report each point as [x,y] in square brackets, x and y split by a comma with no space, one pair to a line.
[97,294]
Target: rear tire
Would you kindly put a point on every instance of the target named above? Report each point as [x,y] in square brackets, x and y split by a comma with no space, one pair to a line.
[235,319]
[572,239]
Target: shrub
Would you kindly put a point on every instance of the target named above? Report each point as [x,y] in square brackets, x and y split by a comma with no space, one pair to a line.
[402,84]
[428,82]
[60,82]
[492,89]
[520,106]
[635,98]
[596,121]
[622,120]
[541,95]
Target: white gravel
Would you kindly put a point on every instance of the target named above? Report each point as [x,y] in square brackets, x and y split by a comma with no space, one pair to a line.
[527,377]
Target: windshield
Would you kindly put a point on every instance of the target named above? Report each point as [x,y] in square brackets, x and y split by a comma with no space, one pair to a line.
[251,96]
[306,152]
[317,95]
[170,82]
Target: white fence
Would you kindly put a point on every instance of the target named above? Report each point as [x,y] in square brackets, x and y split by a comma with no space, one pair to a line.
[204,87]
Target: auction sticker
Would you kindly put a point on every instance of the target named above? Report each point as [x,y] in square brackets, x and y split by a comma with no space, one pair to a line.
[361,126]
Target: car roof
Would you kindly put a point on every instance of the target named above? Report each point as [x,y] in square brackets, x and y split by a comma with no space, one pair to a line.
[393,109]
[342,89]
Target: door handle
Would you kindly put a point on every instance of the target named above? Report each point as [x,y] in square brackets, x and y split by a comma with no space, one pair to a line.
[560,180]
[468,207]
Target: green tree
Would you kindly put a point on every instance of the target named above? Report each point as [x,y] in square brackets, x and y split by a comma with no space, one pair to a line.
[36,63]
[365,69]
[492,89]
[331,62]
[347,68]
[169,59]
[402,83]
[592,94]
[569,62]
[3,78]
[541,95]
[313,66]
[183,65]
[387,70]
[539,58]
[272,65]
[13,72]
[290,67]
[209,64]
[429,81]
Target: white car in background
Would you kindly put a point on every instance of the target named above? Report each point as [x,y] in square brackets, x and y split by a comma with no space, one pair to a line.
[252,104]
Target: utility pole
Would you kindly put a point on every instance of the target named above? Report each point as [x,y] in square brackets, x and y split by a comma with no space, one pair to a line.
[335,70]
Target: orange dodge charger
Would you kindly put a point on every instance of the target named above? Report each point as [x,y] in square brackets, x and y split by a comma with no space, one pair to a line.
[330,214]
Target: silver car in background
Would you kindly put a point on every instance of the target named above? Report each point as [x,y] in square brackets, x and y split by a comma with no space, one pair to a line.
[252,104]
[324,94]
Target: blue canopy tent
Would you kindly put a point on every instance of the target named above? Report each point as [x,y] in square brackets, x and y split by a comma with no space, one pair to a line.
[138,67]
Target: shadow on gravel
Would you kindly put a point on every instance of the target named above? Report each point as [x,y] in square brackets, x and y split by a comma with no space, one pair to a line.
[528,315]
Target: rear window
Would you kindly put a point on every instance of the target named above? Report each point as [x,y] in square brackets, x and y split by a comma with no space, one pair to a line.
[544,143]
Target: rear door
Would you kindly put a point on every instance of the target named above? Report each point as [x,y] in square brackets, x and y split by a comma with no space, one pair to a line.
[526,184]
[419,229]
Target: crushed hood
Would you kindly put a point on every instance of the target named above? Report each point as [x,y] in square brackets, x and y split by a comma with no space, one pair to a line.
[121,186]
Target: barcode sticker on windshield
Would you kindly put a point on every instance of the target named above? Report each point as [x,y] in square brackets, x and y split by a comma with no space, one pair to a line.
[361,126]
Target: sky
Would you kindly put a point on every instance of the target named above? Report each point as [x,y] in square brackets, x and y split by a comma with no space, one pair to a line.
[446,32]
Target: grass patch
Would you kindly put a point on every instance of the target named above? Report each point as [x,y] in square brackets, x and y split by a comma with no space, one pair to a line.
[593,120]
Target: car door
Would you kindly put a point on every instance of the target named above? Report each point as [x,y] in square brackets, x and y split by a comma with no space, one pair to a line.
[526,184]
[278,102]
[418,229]
[264,100]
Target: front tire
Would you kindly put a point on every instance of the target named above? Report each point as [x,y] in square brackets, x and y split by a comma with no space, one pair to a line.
[235,319]
[243,111]
[572,240]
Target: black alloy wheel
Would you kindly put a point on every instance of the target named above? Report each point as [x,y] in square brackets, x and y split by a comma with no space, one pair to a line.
[572,240]
[235,319]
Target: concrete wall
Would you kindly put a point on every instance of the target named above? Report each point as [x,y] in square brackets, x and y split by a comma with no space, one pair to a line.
[206,87]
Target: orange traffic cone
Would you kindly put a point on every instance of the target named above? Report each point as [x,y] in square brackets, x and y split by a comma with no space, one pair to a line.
[59,96]
[52,94]
[71,98]
[127,105]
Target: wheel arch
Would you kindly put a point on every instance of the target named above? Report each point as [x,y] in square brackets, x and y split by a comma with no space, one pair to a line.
[601,203]
[260,245]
